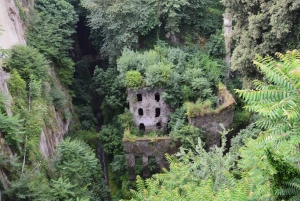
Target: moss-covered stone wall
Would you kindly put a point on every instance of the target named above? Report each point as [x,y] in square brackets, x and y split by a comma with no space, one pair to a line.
[156,147]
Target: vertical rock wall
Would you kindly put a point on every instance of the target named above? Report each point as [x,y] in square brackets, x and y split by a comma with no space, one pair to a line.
[11,25]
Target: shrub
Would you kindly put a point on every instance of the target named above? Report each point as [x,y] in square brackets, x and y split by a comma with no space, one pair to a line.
[198,108]
[28,62]
[134,79]
[158,74]
[59,98]
[16,85]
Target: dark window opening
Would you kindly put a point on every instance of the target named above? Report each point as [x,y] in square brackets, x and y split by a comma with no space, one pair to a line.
[141,112]
[139,97]
[158,125]
[157,98]
[157,112]
[142,127]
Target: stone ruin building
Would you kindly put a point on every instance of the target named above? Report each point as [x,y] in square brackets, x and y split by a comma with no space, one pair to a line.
[210,122]
[150,113]
[146,148]
[149,110]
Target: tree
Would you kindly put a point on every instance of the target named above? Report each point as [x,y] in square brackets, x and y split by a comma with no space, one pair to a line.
[51,27]
[76,162]
[29,63]
[120,22]
[262,27]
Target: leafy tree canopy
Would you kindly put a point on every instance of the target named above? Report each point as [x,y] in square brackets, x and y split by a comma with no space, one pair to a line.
[51,25]
[122,22]
[262,28]
[185,74]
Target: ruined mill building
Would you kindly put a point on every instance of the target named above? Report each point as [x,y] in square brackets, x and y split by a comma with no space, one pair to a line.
[150,113]
[149,110]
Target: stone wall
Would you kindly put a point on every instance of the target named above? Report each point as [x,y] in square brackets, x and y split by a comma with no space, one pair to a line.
[149,110]
[211,122]
[156,147]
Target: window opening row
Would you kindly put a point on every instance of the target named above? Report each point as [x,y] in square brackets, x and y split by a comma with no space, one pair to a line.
[140,97]
[157,112]
[142,126]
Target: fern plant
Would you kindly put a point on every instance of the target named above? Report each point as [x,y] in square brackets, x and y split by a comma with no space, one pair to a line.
[277,102]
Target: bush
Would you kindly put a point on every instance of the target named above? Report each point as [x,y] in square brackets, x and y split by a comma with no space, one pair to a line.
[134,79]
[29,63]
[16,85]
[158,74]
[216,45]
[198,108]
[59,98]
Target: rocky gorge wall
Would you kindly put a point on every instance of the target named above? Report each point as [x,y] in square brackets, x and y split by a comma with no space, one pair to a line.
[14,33]
[13,28]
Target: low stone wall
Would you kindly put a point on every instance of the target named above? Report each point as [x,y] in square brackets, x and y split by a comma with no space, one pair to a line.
[156,147]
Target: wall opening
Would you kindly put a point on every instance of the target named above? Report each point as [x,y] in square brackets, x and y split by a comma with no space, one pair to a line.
[157,97]
[142,127]
[157,112]
[138,168]
[158,125]
[141,112]
[139,97]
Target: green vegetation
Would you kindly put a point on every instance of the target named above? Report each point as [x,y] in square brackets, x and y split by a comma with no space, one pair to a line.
[261,28]
[149,18]
[186,75]
[258,166]
[177,45]
[29,63]
[51,26]
[134,79]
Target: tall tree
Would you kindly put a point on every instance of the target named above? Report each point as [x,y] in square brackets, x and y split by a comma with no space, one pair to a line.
[76,163]
[262,27]
[52,24]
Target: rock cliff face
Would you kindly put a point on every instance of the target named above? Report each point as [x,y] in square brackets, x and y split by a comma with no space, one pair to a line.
[12,34]
[11,25]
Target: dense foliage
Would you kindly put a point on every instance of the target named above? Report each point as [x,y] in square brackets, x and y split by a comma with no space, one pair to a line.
[122,23]
[262,28]
[186,75]
[177,45]
[51,27]
[266,166]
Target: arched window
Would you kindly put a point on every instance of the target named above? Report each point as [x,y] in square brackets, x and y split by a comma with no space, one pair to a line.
[141,112]
[142,127]
[158,125]
[157,112]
